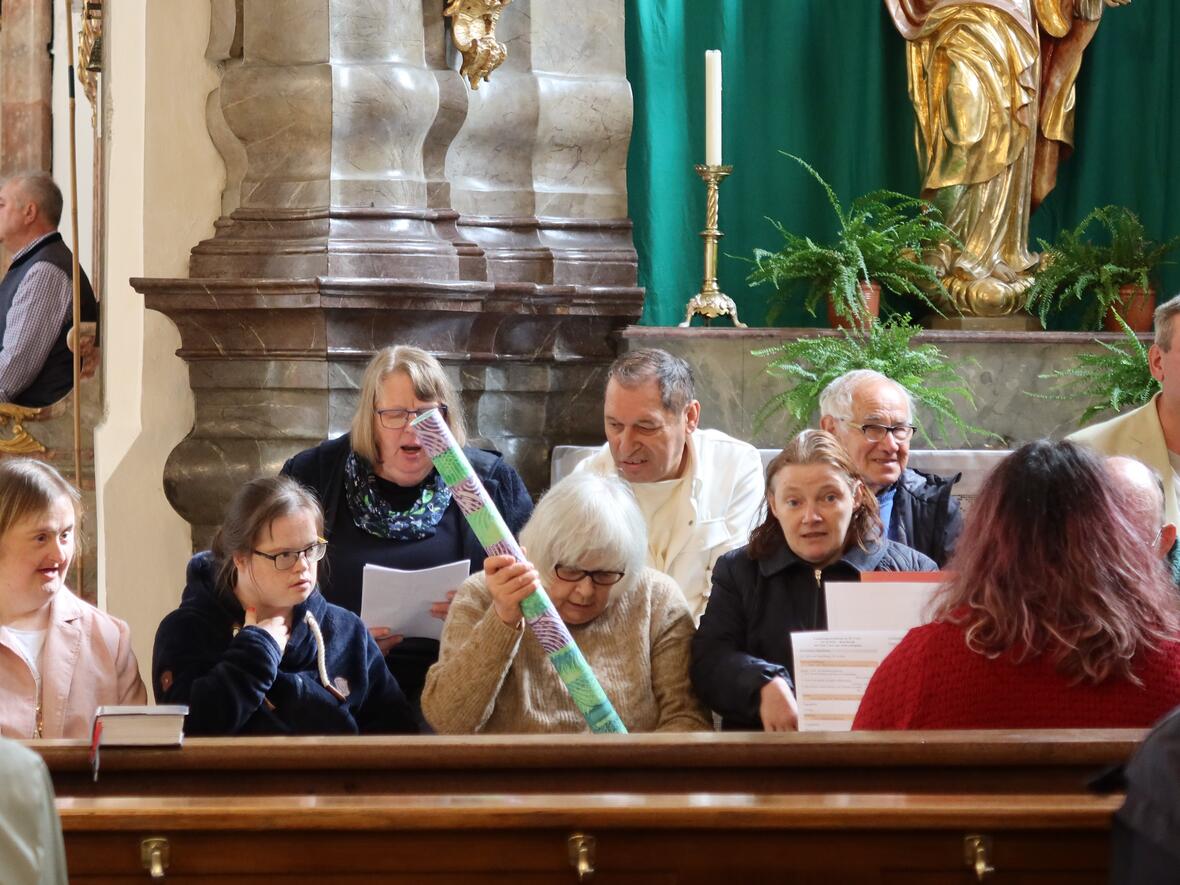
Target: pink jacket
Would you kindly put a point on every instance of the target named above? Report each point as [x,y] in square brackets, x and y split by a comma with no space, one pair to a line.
[87,662]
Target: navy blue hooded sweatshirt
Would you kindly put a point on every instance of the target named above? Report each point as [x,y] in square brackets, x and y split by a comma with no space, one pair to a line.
[235,682]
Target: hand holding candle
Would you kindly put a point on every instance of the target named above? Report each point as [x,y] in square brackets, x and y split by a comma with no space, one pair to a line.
[713,107]
[546,625]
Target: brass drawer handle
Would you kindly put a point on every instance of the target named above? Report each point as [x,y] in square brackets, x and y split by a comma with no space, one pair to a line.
[581,853]
[153,853]
[975,854]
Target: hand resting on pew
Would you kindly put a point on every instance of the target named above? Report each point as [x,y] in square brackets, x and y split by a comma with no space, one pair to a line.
[778,708]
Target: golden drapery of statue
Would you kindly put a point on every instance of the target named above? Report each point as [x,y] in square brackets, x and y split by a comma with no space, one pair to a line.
[992,84]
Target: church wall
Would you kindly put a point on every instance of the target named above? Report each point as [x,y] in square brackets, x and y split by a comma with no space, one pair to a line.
[164,181]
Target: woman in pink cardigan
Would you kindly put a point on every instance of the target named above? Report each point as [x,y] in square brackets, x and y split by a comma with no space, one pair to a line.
[60,657]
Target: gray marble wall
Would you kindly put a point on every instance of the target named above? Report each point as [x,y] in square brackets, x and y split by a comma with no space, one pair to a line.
[1000,368]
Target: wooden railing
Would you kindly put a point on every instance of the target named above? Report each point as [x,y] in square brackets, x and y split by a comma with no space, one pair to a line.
[930,762]
[831,808]
[698,838]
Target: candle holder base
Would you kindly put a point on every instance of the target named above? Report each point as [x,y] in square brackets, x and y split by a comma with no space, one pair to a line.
[711,305]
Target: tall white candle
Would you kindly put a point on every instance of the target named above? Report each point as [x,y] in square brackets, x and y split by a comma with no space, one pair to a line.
[713,107]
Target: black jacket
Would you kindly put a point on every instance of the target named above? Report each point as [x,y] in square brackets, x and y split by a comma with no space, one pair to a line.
[926,515]
[1146,837]
[235,682]
[744,638]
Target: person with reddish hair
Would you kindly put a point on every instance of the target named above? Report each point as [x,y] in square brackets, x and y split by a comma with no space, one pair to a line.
[821,524]
[1059,614]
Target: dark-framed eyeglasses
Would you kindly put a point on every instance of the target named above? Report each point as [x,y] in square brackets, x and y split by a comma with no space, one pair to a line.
[876,432]
[599,577]
[396,419]
[286,560]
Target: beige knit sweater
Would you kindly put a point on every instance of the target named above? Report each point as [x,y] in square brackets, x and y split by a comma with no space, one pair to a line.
[493,678]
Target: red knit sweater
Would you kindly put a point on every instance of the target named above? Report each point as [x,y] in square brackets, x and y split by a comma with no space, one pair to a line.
[933,680]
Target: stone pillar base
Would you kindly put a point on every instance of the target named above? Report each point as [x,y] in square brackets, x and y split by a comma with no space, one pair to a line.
[275,367]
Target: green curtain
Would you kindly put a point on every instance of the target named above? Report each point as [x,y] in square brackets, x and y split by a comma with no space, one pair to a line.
[825,79]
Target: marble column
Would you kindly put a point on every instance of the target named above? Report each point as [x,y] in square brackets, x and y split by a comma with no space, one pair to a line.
[538,170]
[372,198]
[323,124]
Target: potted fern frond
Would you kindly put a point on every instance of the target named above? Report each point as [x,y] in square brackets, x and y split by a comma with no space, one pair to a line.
[879,243]
[1111,277]
[1118,377]
[808,365]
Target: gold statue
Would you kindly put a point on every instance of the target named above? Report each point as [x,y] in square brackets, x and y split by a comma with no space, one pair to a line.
[992,83]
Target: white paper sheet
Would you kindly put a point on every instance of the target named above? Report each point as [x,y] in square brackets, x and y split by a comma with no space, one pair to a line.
[877,605]
[401,599]
[832,671]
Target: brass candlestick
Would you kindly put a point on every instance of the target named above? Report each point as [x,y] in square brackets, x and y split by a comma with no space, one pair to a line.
[711,302]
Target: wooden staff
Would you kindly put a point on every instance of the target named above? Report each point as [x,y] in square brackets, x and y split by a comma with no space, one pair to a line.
[77,280]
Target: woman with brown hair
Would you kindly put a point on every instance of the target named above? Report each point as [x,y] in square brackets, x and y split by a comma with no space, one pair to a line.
[1059,614]
[255,648]
[385,504]
[821,524]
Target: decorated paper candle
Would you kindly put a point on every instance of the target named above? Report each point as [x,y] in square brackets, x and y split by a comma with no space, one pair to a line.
[485,520]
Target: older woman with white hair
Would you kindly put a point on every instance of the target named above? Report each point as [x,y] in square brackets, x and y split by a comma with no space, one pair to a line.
[588,544]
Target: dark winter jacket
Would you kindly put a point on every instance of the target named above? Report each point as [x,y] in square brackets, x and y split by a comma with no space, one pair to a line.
[926,515]
[235,682]
[1146,835]
[744,639]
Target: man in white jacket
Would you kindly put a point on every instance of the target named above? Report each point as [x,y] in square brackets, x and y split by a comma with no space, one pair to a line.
[700,490]
[1151,432]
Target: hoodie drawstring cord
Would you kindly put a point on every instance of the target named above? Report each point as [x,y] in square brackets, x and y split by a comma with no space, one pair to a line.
[321,663]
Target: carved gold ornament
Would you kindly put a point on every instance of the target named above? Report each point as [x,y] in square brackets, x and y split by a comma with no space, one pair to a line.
[473,28]
[90,50]
[14,439]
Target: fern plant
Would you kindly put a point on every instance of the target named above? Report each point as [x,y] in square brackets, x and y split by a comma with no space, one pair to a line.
[808,365]
[1118,377]
[880,238]
[1075,268]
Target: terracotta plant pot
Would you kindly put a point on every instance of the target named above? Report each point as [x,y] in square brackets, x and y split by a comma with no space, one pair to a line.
[872,296]
[1135,307]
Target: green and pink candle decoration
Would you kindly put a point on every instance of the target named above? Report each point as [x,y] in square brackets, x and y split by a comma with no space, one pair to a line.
[485,520]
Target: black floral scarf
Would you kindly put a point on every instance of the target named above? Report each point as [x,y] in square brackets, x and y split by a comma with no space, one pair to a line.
[373,514]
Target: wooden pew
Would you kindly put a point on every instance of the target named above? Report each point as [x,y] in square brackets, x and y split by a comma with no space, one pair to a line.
[988,762]
[623,837]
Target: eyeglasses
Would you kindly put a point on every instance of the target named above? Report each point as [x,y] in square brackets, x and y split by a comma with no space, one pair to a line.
[601,578]
[286,560]
[396,419]
[876,432]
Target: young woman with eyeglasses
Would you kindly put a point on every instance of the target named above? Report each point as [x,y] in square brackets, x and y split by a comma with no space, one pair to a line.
[587,542]
[385,504]
[255,648]
[821,524]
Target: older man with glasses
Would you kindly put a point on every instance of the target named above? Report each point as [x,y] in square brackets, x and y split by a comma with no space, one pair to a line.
[873,417]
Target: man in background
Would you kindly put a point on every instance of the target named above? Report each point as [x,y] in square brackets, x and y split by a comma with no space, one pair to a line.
[36,294]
